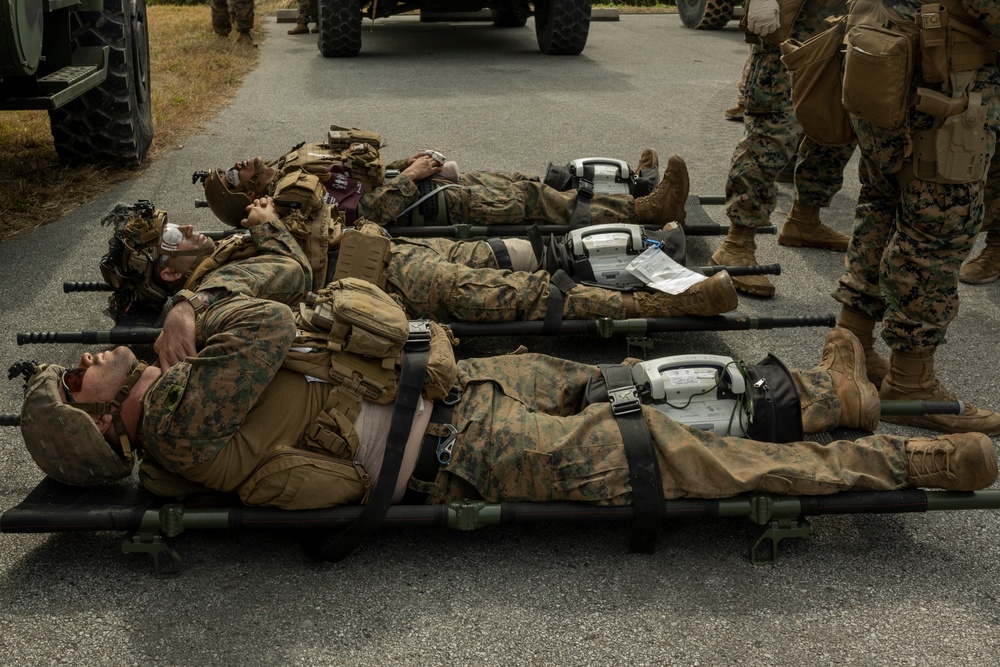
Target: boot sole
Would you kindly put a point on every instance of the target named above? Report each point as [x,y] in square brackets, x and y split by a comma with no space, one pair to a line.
[819,246]
[921,422]
[986,281]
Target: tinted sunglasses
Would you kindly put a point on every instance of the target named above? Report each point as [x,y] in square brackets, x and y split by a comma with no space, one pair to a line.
[72,382]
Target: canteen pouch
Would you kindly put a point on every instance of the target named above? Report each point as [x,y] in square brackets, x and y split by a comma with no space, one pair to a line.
[878,70]
[817,85]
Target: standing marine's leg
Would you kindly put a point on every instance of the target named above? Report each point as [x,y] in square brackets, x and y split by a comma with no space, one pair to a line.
[221,22]
[985,268]
[819,174]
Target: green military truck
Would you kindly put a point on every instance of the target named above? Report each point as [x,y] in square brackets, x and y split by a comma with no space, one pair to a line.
[561,26]
[708,14]
[87,63]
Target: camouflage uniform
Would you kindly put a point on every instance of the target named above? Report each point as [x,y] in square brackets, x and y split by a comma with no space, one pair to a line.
[772,136]
[308,12]
[909,242]
[242,13]
[455,281]
[497,199]
[218,420]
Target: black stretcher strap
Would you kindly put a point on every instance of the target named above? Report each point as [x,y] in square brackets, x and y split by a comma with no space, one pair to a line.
[559,284]
[584,193]
[501,254]
[411,382]
[644,473]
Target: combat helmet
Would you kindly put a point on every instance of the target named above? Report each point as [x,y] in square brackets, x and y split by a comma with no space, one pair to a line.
[63,439]
[226,196]
[142,242]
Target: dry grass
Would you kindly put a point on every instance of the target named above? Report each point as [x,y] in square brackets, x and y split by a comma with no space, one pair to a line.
[193,74]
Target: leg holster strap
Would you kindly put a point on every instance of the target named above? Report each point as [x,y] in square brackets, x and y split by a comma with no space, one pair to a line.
[644,473]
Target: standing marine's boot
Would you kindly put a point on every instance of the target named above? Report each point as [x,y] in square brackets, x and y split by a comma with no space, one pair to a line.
[666,202]
[959,462]
[802,229]
[985,268]
[734,112]
[300,28]
[712,296]
[738,249]
[649,159]
[911,377]
[863,328]
[844,359]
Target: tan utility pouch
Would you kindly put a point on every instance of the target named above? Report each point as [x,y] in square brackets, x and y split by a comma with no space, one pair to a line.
[364,256]
[342,137]
[299,191]
[788,12]
[297,479]
[817,85]
[442,369]
[956,152]
[878,70]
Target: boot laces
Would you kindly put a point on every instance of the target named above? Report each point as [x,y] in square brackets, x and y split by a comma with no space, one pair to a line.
[931,460]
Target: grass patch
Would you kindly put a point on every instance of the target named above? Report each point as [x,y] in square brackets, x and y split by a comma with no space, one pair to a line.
[193,75]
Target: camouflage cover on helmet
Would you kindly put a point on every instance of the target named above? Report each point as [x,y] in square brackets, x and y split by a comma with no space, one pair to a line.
[228,206]
[133,257]
[64,440]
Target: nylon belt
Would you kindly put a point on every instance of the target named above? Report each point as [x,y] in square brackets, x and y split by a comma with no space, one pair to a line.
[644,473]
[411,382]
[584,193]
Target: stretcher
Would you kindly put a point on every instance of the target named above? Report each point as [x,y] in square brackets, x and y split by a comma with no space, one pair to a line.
[148,522]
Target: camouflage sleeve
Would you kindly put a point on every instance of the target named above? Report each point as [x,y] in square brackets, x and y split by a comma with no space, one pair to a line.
[196,406]
[383,204]
[279,271]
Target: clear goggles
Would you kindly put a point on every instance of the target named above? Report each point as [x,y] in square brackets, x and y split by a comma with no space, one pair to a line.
[170,237]
[233,178]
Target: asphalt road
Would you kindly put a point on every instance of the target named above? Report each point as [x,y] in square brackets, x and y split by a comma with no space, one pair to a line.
[866,589]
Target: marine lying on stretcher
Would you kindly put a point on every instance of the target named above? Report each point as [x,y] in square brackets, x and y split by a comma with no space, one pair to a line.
[314,408]
[151,261]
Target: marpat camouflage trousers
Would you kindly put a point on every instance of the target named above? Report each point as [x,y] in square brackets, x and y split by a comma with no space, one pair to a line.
[447,281]
[242,14]
[910,240]
[520,440]
[771,138]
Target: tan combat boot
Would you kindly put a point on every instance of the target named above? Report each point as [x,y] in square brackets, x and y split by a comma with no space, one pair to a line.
[802,229]
[958,462]
[299,29]
[844,359]
[666,202]
[911,377]
[711,296]
[734,113]
[246,38]
[738,249]
[863,328]
[985,268]
[648,160]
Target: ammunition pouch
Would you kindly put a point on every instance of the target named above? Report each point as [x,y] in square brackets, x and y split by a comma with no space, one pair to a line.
[956,151]
[878,71]
[299,191]
[817,85]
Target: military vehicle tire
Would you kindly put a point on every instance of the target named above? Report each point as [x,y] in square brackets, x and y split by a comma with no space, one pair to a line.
[705,14]
[511,17]
[561,26]
[339,28]
[112,122]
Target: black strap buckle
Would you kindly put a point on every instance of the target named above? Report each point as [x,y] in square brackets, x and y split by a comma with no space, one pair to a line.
[624,400]
[419,331]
